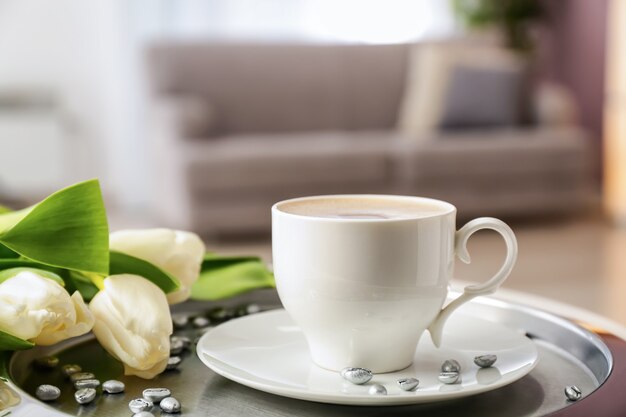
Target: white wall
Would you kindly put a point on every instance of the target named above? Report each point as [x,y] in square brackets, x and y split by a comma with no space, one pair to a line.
[79,50]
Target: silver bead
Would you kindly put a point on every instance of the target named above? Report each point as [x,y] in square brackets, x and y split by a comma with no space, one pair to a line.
[143,414]
[86,383]
[47,362]
[485,361]
[219,314]
[180,321]
[377,389]
[71,369]
[186,342]
[47,392]
[155,395]
[253,308]
[85,395]
[176,347]
[408,384]
[170,405]
[573,393]
[200,321]
[139,404]
[81,375]
[449,377]
[173,362]
[357,376]
[113,386]
[451,365]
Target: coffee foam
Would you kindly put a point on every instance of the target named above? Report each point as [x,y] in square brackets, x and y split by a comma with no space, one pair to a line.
[365,207]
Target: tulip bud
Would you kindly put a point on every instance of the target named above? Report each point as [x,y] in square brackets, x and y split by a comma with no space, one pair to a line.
[38,309]
[176,252]
[133,324]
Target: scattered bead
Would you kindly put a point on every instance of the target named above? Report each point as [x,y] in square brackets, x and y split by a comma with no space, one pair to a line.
[113,386]
[573,393]
[47,392]
[357,376]
[451,365]
[485,361]
[86,383]
[173,362]
[408,384]
[219,314]
[241,311]
[182,339]
[71,369]
[170,405]
[377,389]
[180,321]
[253,308]
[81,375]
[155,395]
[176,347]
[139,404]
[200,321]
[449,377]
[85,395]
[47,362]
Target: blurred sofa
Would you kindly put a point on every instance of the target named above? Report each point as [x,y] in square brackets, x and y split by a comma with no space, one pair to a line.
[237,127]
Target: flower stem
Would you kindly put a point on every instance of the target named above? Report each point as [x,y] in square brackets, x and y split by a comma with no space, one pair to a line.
[97,280]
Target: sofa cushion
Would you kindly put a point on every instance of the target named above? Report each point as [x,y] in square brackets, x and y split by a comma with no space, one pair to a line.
[249,162]
[438,74]
[195,115]
[479,96]
[275,87]
[493,152]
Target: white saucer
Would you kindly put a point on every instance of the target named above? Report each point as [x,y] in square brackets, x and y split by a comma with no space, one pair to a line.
[267,351]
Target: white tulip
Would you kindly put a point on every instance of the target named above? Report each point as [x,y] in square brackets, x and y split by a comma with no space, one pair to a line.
[133,324]
[177,252]
[38,309]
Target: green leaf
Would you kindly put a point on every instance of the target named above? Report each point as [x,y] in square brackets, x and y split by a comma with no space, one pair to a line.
[212,260]
[122,263]
[10,342]
[11,272]
[68,230]
[4,209]
[7,253]
[232,279]
[27,263]
[82,284]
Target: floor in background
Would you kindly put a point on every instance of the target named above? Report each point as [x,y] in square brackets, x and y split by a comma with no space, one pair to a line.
[580,262]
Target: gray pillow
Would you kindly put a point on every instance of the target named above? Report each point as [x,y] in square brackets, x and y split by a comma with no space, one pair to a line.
[481,97]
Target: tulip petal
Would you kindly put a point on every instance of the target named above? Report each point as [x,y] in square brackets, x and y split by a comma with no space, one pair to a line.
[177,252]
[133,323]
[9,273]
[36,308]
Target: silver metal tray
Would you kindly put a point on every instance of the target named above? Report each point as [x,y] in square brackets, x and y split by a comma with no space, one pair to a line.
[569,355]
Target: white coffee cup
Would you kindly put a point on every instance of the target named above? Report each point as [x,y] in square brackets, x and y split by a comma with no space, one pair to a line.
[364,275]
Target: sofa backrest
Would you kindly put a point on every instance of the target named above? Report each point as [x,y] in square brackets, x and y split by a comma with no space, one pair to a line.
[270,87]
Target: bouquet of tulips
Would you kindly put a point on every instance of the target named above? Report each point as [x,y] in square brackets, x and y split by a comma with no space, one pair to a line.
[62,275]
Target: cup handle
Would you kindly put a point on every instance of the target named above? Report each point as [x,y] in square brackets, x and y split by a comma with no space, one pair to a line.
[489,287]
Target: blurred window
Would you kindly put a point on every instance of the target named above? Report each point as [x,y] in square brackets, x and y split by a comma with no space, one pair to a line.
[367,21]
